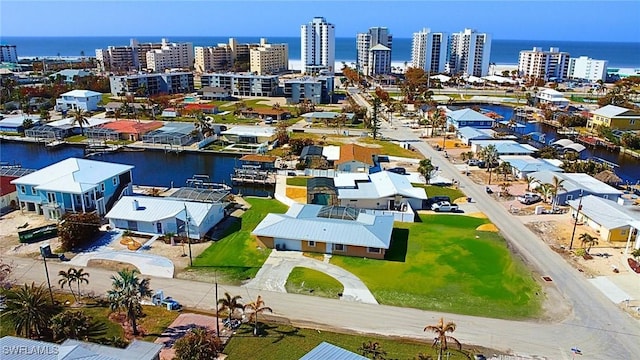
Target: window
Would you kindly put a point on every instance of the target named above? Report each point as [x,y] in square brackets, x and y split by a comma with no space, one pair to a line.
[312,244]
[132,225]
[338,247]
[102,187]
[373,250]
[569,197]
[51,197]
[115,181]
[33,191]
[23,189]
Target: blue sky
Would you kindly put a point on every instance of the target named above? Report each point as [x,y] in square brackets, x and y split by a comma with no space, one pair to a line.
[586,20]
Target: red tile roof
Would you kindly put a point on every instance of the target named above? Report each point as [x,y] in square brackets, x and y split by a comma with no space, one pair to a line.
[133,127]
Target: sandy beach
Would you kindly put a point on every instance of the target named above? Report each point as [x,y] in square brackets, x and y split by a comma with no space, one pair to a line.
[297,65]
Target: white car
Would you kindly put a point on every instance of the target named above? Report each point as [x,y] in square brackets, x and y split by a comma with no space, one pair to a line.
[444,206]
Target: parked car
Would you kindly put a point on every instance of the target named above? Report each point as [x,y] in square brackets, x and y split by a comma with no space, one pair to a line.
[473,162]
[484,165]
[444,206]
[436,199]
[529,198]
[398,170]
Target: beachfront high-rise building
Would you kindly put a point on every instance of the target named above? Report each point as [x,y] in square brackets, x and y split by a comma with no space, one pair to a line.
[223,57]
[367,41]
[317,46]
[170,56]
[469,53]
[128,58]
[586,68]
[429,51]
[8,53]
[269,58]
[545,65]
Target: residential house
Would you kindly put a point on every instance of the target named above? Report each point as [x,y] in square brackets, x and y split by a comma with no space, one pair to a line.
[204,108]
[329,351]
[8,192]
[123,130]
[575,183]
[469,117]
[249,134]
[612,221]
[156,215]
[311,153]
[214,93]
[16,348]
[176,133]
[615,117]
[62,128]
[467,134]
[15,124]
[331,153]
[264,113]
[327,229]
[76,185]
[383,190]
[523,165]
[86,100]
[503,147]
[552,97]
[356,158]
[326,117]
[70,75]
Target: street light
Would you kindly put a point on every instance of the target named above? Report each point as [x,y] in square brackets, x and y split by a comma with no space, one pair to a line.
[575,223]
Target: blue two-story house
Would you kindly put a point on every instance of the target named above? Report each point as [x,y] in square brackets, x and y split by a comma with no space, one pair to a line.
[73,185]
[469,117]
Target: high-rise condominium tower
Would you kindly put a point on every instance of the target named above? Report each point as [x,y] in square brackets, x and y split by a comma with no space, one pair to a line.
[429,51]
[365,42]
[469,53]
[317,46]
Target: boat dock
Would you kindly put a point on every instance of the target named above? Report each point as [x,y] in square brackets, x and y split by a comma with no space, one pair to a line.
[253,176]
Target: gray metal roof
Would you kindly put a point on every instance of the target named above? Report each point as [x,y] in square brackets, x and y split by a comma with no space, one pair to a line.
[575,182]
[526,163]
[380,185]
[302,222]
[469,132]
[200,194]
[326,351]
[613,111]
[14,171]
[151,209]
[606,213]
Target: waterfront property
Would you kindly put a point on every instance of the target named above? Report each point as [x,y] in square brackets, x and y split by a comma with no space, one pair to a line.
[356,158]
[8,191]
[76,185]
[63,128]
[574,184]
[15,124]
[615,117]
[172,133]
[249,134]
[261,162]
[255,169]
[467,134]
[523,165]
[86,100]
[503,147]
[327,229]
[156,215]
[552,97]
[123,130]
[612,221]
[469,117]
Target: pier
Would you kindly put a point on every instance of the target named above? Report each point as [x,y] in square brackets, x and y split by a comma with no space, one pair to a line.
[246,175]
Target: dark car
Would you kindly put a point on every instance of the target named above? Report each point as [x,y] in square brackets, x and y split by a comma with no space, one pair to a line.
[398,170]
[484,165]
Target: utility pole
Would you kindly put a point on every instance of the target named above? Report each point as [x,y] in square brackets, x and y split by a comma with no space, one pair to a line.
[188,238]
[44,254]
[217,321]
[575,223]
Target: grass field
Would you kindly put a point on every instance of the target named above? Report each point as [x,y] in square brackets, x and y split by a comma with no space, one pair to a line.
[284,342]
[237,256]
[444,264]
[392,149]
[311,282]
[433,190]
[297,181]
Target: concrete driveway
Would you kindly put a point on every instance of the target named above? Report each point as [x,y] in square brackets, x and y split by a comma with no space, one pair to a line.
[148,264]
[275,271]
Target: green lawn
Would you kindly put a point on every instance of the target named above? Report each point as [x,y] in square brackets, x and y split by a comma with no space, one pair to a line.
[297,181]
[392,149]
[433,190]
[76,138]
[237,256]
[448,266]
[285,342]
[311,282]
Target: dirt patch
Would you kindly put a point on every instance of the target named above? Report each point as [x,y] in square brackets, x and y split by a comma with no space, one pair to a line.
[487,227]
[121,318]
[179,328]
[297,193]
[15,221]
[479,215]
[111,265]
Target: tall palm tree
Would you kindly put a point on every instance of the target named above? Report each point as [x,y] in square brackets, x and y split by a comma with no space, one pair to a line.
[546,191]
[489,154]
[587,241]
[529,180]
[81,277]
[230,303]
[68,278]
[556,186]
[128,290]
[29,310]
[256,308]
[442,340]
[79,117]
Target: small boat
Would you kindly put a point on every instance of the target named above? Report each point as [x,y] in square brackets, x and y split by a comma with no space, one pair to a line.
[54,144]
[204,182]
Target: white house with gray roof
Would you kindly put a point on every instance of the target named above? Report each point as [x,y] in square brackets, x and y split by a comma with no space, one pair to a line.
[86,100]
[469,117]
[504,147]
[523,165]
[573,184]
[612,221]
[327,229]
[156,215]
[467,133]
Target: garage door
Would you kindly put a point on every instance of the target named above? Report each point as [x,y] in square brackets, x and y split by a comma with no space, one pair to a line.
[283,244]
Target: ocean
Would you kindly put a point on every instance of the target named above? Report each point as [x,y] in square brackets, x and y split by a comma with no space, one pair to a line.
[619,54]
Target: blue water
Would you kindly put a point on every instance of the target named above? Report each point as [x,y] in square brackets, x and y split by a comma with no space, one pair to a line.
[502,51]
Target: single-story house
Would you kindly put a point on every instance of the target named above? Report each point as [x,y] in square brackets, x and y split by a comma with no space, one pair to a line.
[504,147]
[14,124]
[263,113]
[326,351]
[261,162]
[77,185]
[123,130]
[169,113]
[523,165]
[468,133]
[214,93]
[566,145]
[327,229]
[173,132]
[249,134]
[311,151]
[499,79]
[204,108]
[615,117]
[114,105]
[356,158]
[69,127]
[553,97]
[326,116]
[383,190]
[21,348]
[574,183]
[469,117]
[86,100]
[70,75]
[156,215]
[611,220]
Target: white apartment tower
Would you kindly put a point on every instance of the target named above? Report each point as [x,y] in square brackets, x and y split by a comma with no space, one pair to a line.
[169,56]
[365,42]
[545,65]
[8,53]
[269,58]
[317,46]
[469,53]
[429,51]
[586,68]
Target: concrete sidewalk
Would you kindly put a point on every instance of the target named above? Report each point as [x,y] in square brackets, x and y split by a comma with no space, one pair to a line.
[273,275]
[280,193]
[148,264]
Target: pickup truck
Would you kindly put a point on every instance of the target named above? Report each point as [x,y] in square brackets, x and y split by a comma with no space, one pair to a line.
[444,206]
[529,198]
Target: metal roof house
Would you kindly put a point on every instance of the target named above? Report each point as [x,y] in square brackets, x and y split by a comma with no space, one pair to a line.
[327,229]
[615,117]
[574,183]
[86,100]
[553,97]
[326,351]
[156,215]
[612,221]
[468,133]
[14,124]
[249,134]
[504,147]
[469,117]
[523,165]
[325,116]
[16,348]
[76,185]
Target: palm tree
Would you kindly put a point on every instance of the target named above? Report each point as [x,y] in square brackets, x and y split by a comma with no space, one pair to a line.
[529,180]
[442,339]
[68,278]
[256,308]
[373,349]
[29,310]
[489,155]
[587,241]
[546,191]
[425,169]
[198,344]
[230,303]
[556,186]
[128,290]
[76,325]
[80,119]
[81,277]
